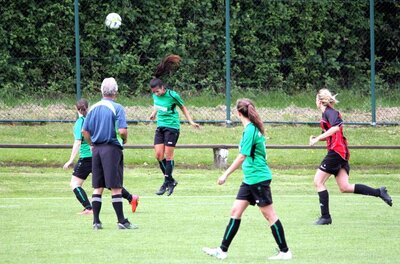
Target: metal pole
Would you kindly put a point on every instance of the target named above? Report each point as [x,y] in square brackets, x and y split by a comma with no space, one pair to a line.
[77,52]
[228,63]
[372,48]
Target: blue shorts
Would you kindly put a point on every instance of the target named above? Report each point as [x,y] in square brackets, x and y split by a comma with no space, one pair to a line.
[259,193]
[107,166]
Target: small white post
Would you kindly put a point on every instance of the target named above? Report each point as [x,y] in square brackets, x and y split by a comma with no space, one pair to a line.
[220,157]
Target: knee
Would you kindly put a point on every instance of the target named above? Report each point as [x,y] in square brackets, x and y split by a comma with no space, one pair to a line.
[236,213]
[159,156]
[345,188]
[318,183]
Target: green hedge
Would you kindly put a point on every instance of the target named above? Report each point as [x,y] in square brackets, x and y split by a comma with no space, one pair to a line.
[276,45]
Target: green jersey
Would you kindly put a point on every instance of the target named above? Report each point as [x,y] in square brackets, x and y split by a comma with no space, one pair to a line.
[167,114]
[84,150]
[252,145]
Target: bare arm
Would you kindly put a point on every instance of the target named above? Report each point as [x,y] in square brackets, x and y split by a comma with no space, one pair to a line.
[323,136]
[188,117]
[74,152]
[153,115]
[123,132]
[235,164]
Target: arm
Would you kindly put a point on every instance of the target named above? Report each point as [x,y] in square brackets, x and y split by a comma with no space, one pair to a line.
[74,152]
[153,115]
[188,117]
[123,132]
[236,164]
[328,133]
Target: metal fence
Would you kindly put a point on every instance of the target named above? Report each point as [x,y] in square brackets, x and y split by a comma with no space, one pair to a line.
[381,105]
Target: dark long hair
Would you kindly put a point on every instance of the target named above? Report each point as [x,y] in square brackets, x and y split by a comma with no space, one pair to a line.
[168,65]
[82,106]
[247,109]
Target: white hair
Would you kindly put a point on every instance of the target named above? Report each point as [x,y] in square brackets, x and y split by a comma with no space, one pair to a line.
[109,87]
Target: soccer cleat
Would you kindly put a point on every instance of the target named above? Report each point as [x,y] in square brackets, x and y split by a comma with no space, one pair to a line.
[86,212]
[385,196]
[171,186]
[282,256]
[126,225]
[134,202]
[97,226]
[162,189]
[215,252]
[323,221]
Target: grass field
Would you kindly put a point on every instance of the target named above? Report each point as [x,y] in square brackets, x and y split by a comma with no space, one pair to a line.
[39,221]
[40,224]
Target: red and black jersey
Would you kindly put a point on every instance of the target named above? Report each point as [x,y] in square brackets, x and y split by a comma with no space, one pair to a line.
[336,142]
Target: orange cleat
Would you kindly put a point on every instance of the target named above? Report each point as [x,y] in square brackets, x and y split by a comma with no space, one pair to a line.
[134,202]
[86,212]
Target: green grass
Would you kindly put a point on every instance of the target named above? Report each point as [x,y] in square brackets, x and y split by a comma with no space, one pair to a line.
[39,223]
[275,99]
[143,134]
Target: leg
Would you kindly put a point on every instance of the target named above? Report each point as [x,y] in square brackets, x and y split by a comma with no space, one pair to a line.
[132,199]
[231,229]
[319,181]
[268,212]
[342,180]
[76,186]
[96,203]
[169,156]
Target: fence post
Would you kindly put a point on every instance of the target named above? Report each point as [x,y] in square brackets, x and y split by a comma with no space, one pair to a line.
[372,50]
[220,157]
[77,51]
[228,63]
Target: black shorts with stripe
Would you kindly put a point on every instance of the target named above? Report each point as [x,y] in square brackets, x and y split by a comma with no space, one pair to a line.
[333,162]
[259,193]
[83,168]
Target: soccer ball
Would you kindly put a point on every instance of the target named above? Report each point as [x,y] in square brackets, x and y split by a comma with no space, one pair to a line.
[113,21]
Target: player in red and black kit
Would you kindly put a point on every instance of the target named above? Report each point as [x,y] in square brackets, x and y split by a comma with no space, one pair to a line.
[336,162]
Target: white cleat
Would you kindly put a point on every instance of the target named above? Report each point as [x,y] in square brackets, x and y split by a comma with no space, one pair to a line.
[282,256]
[215,252]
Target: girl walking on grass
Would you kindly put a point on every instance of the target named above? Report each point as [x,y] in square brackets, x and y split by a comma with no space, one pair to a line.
[255,188]
[336,162]
[166,136]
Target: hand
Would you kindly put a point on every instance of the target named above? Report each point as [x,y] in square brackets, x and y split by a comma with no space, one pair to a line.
[67,164]
[221,180]
[313,140]
[152,116]
[195,125]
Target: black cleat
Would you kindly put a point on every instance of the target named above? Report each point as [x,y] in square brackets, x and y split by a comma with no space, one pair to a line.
[171,187]
[97,226]
[126,225]
[385,196]
[162,189]
[323,221]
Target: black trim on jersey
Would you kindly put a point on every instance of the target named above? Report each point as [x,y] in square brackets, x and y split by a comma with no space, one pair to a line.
[253,145]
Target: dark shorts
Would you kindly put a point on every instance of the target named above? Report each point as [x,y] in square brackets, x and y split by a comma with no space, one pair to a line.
[83,168]
[107,166]
[259,193]
[333,162]
[167,136]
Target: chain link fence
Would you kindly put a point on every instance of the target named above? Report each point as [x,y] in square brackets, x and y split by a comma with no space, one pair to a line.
[290,54]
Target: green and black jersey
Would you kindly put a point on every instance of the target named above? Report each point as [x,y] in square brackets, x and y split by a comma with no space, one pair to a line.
[252,145]
[84,150]
[166,104]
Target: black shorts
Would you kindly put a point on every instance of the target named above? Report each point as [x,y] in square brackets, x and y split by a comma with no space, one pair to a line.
[167,136]
[83,168]
[259,193]
[107,166]
[333,162]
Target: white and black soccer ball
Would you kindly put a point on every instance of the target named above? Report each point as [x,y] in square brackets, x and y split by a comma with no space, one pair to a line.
[113,21]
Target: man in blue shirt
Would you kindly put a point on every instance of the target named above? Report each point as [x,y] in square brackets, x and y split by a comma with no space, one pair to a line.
[106,130]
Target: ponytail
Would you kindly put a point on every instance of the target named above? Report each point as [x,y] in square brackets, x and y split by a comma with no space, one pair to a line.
[168,65]
[247,109]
